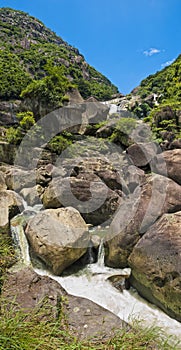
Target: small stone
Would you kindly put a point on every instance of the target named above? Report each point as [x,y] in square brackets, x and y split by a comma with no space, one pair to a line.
[76,309]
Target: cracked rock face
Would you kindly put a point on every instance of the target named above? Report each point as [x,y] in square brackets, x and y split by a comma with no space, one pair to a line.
[156,266]
[59,237]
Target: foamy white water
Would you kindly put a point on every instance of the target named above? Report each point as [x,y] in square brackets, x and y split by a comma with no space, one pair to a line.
[128,305]
[92,283]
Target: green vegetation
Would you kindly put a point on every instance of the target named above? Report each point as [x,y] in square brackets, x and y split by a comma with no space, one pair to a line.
[97,86]
[39,68]
[7,255]
[20,331]
[164,122]
[48,92]
[166,83]
[59,143]
[123,131]
[15,135]
[141,110]
[163,115]
[12,76]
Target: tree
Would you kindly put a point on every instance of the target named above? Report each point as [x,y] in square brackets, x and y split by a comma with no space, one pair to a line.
[43,96]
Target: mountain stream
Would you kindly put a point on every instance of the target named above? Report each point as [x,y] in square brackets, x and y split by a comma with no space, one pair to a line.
[93,282]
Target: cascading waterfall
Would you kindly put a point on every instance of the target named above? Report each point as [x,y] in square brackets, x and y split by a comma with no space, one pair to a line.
[92,283]
[21,243]
[100,259]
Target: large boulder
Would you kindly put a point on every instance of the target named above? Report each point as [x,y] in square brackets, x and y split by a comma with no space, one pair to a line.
[155,263]
[168,163]
[142,153]
[111,175]
[133,177]
[18,178]
[10,205]
[159,195]
[88,194]
[7,152]
[76,117]
[27,290]
[32,195]
[59,237]
[95,188]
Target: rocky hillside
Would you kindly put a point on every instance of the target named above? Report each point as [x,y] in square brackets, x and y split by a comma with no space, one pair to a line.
[33,59]
[165,83]
[157,100]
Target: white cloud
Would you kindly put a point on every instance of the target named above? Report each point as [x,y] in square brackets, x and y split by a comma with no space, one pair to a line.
[151,51]
[167,63]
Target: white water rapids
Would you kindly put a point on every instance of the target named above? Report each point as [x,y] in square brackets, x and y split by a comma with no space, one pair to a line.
[91,283]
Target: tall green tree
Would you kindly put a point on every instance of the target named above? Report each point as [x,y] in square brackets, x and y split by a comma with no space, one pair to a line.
[44,95]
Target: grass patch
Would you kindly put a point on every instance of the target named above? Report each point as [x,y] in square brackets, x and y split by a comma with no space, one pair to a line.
[7,255]
[40,330]
[21,331]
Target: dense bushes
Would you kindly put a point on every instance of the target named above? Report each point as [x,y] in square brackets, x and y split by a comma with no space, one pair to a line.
[123,131]
[15,135]
[59,143]
[164,121]
[47,93]
[13,77]
[166,83]
[27,46]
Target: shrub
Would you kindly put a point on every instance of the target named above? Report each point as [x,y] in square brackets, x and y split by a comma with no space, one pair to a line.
[123,131]
[58,144]
[15,135]
[7,255]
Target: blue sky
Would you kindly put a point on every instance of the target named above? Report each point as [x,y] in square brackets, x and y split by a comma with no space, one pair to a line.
[125,40]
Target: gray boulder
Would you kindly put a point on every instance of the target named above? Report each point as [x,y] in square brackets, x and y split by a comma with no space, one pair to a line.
[88,194]
[10,205]
[59,237]
[142,153]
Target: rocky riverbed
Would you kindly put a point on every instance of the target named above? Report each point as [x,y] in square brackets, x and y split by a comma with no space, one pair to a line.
[132,188]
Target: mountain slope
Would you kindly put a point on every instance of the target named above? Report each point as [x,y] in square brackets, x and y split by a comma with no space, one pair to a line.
[29,51]
[158,101]
[166,83]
